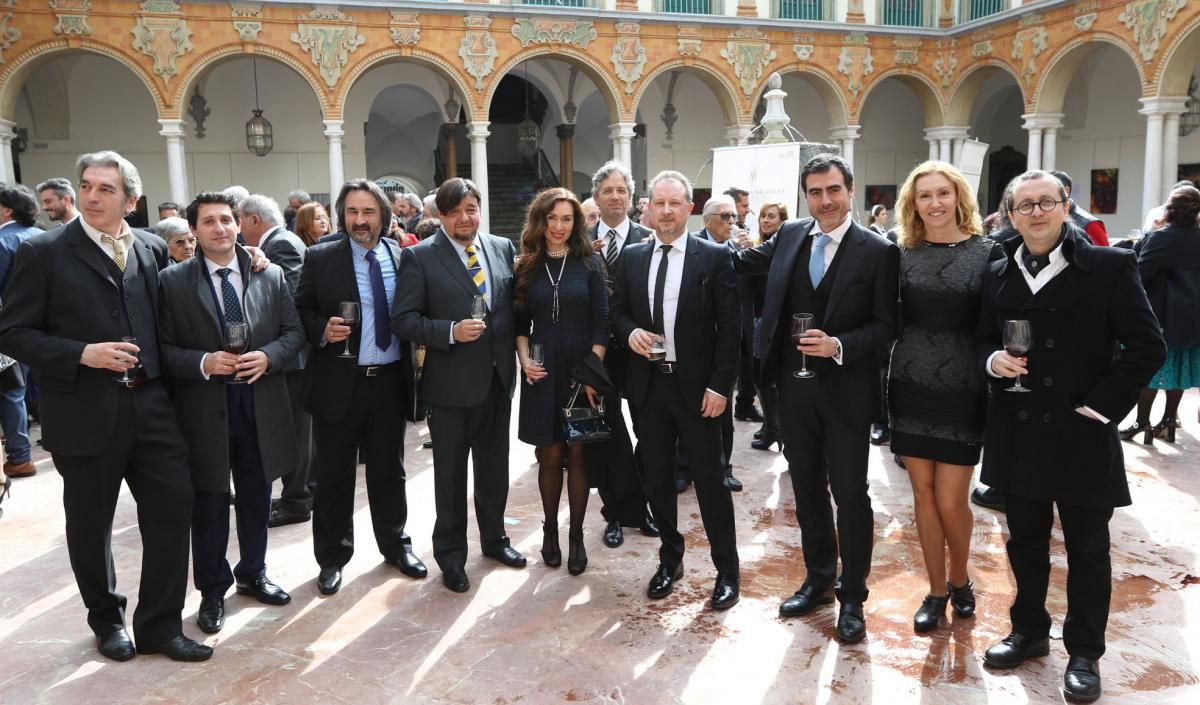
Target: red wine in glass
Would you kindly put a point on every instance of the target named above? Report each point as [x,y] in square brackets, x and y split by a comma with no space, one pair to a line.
[237,342]
[801,323]
[1018,339]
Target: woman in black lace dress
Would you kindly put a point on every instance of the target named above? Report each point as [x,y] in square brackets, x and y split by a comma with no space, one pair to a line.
[561,305]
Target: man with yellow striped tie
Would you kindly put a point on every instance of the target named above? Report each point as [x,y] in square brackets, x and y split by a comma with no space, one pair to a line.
[469,373]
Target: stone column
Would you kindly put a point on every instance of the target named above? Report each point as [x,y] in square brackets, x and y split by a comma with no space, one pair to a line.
[1170,160]
[1152,169]
[738,134]
[845,136]
[934,152]
[477,133]
[176,166]
[566,156]
[1034,154]
[450,154]
[621,134]
[337,170]
[1043,139]
[747,8]
[8,132]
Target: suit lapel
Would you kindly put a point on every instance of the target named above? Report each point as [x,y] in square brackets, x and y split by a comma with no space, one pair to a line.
[345,267]
[691,269]
[852,251]
[448,256]
[642,282]
[88,251]
[201,284]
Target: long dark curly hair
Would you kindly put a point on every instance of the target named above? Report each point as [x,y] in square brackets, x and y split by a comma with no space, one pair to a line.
[533,241]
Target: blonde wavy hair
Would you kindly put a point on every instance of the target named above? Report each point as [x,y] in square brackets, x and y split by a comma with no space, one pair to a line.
[910,229]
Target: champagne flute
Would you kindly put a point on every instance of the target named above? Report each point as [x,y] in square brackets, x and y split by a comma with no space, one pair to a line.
[349,313]
[1018,339]
[801,323]
[537,355]
[128,375]
[236,341]
[479,307]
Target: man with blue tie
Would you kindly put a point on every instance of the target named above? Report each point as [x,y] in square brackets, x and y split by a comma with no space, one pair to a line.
[357,400]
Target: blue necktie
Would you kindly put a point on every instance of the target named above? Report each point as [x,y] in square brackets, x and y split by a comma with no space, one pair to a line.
[816,261]
[383,334]
[229,297]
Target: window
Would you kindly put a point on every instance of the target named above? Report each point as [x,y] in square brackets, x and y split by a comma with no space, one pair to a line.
[804,9]
[974,9]
[905,13]
[689,7]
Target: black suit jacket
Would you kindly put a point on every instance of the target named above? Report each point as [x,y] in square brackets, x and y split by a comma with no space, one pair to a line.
[326,280]
[636,234]
[1037,445]
[862,311]
[745,288]
[1169,263]
[707,318]
[60,299]
[616,361]
[285,248]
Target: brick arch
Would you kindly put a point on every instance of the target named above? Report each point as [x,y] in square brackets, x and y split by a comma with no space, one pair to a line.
[597,72]
[229,52]
[926,91]
[1051,89]
[1179,61]
[430,61]
[12,78]
[725,92]
[966,89]
[826,86]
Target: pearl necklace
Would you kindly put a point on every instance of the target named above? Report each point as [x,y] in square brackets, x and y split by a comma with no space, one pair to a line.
[556,254]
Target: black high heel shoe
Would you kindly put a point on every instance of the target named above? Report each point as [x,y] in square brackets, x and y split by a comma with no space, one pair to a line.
[1143,427]
[768,439]
[6,492]
[551,553]
[1166,429]
[577,558]
[962,599]
[931,611]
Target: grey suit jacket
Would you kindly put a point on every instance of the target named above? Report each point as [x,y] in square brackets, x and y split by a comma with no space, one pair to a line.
[286,249]
[434,292]
[189,327]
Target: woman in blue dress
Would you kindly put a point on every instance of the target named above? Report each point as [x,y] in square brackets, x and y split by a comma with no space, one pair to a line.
[561,304]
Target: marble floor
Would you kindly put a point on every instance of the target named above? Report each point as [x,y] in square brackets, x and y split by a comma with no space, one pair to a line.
[539,635]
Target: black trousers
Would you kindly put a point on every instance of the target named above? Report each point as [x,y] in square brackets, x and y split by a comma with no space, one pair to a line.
[297,494]
[826,456]
[745,381]
[665,419]
[613,468]
[1089,571]
[482,432]
[210,518]
[376,422]
[149,453]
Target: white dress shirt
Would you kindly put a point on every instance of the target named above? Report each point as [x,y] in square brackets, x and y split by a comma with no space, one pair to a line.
[235,280]
[481,257]
[831,248]
[125,236]
[622,231]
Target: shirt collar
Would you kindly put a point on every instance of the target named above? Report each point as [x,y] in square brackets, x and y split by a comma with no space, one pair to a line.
[677,245]
[361,252]
[461,248]
[840,231]
[1057,259]
[213,266]
[125,235]
[622,229]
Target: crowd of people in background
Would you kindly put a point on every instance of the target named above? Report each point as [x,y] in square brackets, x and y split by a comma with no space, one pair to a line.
[238,343]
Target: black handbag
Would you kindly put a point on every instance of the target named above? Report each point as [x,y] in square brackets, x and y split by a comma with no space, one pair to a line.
[584,424]
[11,376]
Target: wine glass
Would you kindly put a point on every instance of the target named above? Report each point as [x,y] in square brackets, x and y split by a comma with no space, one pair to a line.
[1018,339]
[479,307]
[537,354]
[128,376]
[349,313]
[801,323]
[236,341]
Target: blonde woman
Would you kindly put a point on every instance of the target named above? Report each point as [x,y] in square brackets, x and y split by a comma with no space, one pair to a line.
[936,390]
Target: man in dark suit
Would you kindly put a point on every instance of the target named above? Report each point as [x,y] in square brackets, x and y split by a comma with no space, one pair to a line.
[73,291]
[356,400]
[246,427]
[469,373]
[677,293]
[262,227]
[1057,444]
[744,409]
[617,482]
[846,277]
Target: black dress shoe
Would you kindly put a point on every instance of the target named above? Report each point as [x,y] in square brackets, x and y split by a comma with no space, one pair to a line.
[329,580]
[896,458]
[116,645]
[211,616]
[614,535]
[726,592]
[879,434]
[762,430]
[930,613]
[456,579]
[663,582]
[180,648]
[263,590]
[766,441]
[408,563]
[507,555]
[1081,682]
[989,498]
[851,626]
[962,599]
[747,412]
[683,478]
[649,526]
[427,444]
[1014,649]
[806,599]
[284,516]
[732,483]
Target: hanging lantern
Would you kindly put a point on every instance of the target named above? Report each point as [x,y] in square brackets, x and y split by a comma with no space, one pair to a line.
[260,137]
[528,138]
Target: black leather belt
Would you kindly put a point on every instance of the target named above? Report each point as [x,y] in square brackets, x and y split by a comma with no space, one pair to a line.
[376,370]
[664,368]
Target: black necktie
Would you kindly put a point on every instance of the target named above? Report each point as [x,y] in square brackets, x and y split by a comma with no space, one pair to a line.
[660,284]
[379,302]
[229,298]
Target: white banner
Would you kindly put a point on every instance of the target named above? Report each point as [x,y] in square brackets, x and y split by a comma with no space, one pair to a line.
[970,162]
[770,172]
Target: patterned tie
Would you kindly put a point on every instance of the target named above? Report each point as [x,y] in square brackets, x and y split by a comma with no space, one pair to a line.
[816,261]
[118,248]
[229,297]
[476,271]
[383,333]
[610,255]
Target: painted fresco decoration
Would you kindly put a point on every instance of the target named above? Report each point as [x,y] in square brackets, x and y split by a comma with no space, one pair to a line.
[328,45]
[748,51]
[478,49]
[982,49]
[855,63]
[406,29]
[8,34]
[1028,45]
[578,33]
[629,56]
[247,19]
[72,17]
[162,38]
[1148,20]
[689,40]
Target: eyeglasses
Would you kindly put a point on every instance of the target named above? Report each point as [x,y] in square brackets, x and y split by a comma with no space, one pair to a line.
[1046,204]
[727,216]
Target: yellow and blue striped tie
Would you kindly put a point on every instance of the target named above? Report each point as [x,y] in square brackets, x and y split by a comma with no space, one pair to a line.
[476,271]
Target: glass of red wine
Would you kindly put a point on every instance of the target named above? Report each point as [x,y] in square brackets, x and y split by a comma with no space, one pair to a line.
[1018,339]
[801,323]
[349,313]
[128,376]
[237,341]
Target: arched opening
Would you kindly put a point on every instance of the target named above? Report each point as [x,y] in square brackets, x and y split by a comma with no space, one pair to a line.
[990,101]
[894,115]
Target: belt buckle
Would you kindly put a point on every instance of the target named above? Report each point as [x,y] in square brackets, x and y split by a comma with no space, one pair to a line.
[372,370]
[666,368]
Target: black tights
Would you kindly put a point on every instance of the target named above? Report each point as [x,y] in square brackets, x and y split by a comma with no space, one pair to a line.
[550,482]
[1146,401]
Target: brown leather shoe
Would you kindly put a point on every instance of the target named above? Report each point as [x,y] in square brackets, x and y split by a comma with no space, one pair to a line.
[25,469]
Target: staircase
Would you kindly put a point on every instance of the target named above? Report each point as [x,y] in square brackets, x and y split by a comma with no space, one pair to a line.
[511,188]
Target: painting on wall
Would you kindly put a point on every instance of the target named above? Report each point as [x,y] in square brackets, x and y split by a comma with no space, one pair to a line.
[881,194]
[1104,191]
[1189,172]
